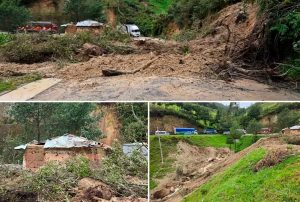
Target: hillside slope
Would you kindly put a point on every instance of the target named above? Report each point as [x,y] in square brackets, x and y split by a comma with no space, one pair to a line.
[240,183]
[274,146]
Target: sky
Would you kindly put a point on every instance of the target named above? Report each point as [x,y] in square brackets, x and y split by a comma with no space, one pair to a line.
[241,104]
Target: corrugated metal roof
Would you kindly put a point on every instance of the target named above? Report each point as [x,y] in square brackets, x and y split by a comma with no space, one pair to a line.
[89,23]
[69,141]
[65,141]
[24,146]
[297,127]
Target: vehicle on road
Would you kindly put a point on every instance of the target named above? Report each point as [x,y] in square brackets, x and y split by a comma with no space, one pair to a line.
[161,133]
[131,29]
[39,27]
[210,131]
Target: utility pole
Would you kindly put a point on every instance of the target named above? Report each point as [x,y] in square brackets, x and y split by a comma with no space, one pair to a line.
[161,152]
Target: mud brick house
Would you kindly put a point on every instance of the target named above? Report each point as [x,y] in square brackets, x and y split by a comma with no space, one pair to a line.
[60,149]
[84,26]
[295,130]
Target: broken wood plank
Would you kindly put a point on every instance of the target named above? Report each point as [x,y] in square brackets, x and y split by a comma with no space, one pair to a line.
[30,90]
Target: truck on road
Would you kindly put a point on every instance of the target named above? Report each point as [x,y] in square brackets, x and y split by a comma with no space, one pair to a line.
[131,29]
[185,131]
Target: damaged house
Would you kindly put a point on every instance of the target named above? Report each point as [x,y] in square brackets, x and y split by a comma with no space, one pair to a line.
[60,149]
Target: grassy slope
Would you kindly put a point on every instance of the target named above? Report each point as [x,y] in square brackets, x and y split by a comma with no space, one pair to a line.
[158,170]
[240,183]
[160,6]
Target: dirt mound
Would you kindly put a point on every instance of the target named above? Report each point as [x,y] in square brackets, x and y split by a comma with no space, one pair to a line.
[193,161]
[92,190]
[272,158]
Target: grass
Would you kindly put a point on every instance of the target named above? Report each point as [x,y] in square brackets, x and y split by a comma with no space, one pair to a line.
[160,6]
[11,83]
[240,183]
[169,143]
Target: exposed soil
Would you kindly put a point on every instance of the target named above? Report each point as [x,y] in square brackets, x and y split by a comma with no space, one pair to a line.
[180,70]
[198,165]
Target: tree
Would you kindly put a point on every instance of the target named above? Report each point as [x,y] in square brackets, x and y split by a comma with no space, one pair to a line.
[287,118]
[78,10]
[134,119]
[32,117]
[235,133]
[254,126]
[45,120]
[12,15]
[254,112]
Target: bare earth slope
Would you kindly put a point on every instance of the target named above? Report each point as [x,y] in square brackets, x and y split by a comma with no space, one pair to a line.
[203,164]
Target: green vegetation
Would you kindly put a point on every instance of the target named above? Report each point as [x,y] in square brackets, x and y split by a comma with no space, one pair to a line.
[12,15]
[5,38]
[134,120]
[117,167]
[40,47]
[169,146]
[160,6]
[77,10]
[283,35]
[241,183]
[11,83]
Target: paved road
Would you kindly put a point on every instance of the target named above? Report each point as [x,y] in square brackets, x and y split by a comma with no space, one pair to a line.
[124,88]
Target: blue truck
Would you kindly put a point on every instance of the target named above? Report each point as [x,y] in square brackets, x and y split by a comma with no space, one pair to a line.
[185,131]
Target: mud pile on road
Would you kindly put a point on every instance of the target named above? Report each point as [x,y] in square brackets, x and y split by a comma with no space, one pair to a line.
[198,58]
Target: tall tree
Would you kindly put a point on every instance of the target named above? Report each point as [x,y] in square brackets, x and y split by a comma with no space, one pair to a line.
[12,15]
[78,10]
[44,120]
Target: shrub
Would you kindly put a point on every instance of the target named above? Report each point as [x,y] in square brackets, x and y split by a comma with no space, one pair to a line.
[79,166]
[33,48]
[117,167]
[52,182]
[5,38]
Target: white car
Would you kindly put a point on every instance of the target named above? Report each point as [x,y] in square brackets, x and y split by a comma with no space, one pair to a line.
[161,133]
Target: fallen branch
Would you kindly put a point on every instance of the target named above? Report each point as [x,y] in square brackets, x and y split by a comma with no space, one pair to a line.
[113,72]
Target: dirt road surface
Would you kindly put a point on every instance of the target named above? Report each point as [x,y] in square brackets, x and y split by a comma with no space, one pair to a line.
[131,88]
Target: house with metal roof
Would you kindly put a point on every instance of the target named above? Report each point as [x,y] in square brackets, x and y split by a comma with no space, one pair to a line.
[60,149]
[84,26]
[294,130]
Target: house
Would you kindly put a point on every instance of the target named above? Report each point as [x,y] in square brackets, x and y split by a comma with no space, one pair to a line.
[84,26]
[60,149]
[265,131]
[294,130]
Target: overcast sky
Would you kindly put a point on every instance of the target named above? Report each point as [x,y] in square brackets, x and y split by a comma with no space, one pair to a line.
[241,104]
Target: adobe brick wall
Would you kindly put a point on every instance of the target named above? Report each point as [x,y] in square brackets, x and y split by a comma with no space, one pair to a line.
[291,132]
[94,154]
[36,156]
[33,157]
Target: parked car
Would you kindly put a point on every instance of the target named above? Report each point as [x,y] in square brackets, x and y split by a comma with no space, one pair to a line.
[227,132]
[161,133]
